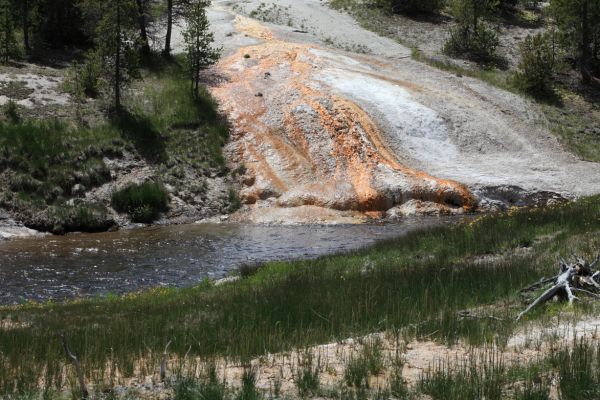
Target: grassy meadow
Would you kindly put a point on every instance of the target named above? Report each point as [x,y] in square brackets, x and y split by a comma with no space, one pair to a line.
[414,286]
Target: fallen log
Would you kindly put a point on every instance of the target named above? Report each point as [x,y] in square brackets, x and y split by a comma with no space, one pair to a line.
[576,277]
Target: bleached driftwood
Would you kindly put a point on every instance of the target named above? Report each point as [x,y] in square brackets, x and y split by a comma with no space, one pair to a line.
[77,365]
[578,277]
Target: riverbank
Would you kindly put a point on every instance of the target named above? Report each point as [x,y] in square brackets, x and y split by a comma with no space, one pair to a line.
[416,287]
[61,177]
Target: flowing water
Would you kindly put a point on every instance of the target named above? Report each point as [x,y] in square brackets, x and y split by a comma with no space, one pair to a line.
[53,267]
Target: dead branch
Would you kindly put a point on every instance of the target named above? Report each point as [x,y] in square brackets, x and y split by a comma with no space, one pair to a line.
[466,314]
[187,353]
[76,364]
[535,286]
[577,277]
[163,363]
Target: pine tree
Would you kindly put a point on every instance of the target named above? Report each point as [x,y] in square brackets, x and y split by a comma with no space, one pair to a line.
[198,40]
[538,64]
[25,8]
[114,39]
[143,14]
[472,37]
[59,23]
[413,6]
[579,24]
[8,42]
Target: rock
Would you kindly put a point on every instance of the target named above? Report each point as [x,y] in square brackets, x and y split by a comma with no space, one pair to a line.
[229,279]
[14,231]
[78,190]
[419,207]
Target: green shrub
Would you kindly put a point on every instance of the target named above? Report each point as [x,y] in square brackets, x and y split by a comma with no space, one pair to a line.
[234,201]
[11,111]
[414,6]
[142,202]
[478,43]
[60,219]
[537,66]
[83,80]
[472,37]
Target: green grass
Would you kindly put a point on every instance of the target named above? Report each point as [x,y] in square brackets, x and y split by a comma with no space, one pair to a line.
[369,362]
[193,130]
[307,377]
[489,74]
[482,377]
[575,366]
[206,388]
[417,286]
[142,201]
[577,124]
[54,157]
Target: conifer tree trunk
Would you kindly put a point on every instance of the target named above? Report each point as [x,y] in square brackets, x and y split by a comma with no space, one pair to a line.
[118,60]
[25,12]
[197,69]
[142,22]
[5,34]
[585,44]
[167,50]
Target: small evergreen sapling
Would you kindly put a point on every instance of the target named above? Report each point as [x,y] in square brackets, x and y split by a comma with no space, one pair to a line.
[198,40]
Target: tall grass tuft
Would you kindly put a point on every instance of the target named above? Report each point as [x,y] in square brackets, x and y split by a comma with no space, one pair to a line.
[481,378]
[248,390]
[143,201]
[368,362]
[579,370]
[206,388]
[307,379]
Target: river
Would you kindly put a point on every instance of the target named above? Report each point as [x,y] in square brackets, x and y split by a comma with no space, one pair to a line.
[63,267]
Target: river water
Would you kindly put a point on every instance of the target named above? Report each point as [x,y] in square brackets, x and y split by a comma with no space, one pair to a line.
[62,267]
